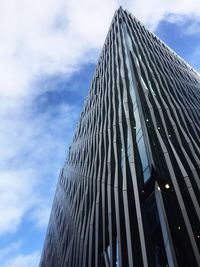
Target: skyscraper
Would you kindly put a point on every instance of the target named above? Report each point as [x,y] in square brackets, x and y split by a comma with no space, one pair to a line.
[128,194]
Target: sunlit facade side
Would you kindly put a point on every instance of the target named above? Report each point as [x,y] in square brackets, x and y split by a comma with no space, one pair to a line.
[129,192]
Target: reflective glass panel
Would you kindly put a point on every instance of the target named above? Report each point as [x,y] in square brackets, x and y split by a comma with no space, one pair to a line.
[142,152]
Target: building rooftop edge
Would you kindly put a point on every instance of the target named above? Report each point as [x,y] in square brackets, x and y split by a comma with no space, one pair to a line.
[160,40]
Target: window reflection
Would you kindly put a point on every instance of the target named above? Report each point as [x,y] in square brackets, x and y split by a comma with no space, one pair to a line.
[143,154]
[137,120]
[138,129]
[132,92]
[117,254]
[128,145]
[146,174]
[139,134]
[122,158]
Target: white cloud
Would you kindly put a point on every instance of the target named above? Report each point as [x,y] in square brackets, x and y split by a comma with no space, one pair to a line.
[38,38]
[7,251]
[193,27]
[195,58]
[152,12]
[46,37]
[16,197]
[23,260]
[41,213]
[10,256]
[32,147]
[57,35]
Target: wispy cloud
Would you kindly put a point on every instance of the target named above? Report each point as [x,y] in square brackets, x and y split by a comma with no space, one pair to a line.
[29,158]
[10,257]
[47,37]
[39,39]
[58,35]
[7,251]
[152,12]
[16,197]
[23,260]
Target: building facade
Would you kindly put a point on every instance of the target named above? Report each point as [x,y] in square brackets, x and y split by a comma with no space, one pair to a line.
[129,192]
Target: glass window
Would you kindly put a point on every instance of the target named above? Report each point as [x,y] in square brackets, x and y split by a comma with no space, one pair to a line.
[117,254]
[128,144]
[142,152]
[132,92]
[146,174]
[139,134]
[137,120]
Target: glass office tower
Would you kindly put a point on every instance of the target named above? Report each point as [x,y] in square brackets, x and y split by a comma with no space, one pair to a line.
[128,194]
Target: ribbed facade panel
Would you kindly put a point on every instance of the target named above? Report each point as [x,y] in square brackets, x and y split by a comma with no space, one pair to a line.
[129,192]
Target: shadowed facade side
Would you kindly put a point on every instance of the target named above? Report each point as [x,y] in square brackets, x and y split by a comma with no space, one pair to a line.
[129,192]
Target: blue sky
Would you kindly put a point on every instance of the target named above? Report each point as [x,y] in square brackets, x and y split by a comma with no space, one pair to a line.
[48,53]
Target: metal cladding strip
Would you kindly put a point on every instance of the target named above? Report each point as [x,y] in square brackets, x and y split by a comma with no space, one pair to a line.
[99,147]
[174,100]
[167,238]
[187,181]
[170,118]
[93,191]
[159,108]
[132,165]
[97,184]
[97,201]
[85,250]
[120,239]
[179,196]
[83,227]
[110,182]
[55,235]
[129,44]
[123,160]
[188,159]
[153,95]
[103,181]
[106,162]
[91,236]
[97,219]
[98,198]
[180,200]
[191,192]
[119,221]
[120,149]
[132,162]
[106,143]
[87,197]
